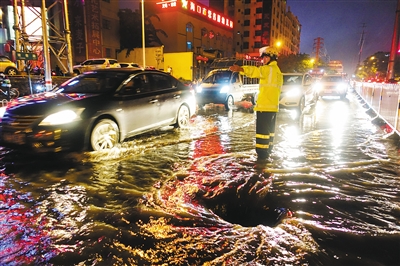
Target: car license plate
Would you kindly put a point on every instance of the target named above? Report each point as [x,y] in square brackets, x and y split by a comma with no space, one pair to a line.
[14,138]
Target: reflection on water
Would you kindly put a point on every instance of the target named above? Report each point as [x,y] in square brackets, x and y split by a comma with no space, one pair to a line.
[329,195]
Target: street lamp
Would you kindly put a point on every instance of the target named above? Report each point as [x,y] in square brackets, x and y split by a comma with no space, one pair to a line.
[143,37]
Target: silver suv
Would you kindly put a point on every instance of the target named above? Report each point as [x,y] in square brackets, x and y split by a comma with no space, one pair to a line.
[96,63]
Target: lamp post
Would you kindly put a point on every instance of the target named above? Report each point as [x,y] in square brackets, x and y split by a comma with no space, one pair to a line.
[143,37]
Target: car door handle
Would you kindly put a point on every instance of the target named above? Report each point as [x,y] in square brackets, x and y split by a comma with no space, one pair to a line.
[177,96]
[153,101]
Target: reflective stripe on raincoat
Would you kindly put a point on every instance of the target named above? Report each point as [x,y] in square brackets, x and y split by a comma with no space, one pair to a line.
[271,80]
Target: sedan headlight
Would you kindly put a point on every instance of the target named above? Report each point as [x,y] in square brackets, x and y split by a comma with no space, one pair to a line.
[224,89]
[62,117]
[199,89]
[293,92]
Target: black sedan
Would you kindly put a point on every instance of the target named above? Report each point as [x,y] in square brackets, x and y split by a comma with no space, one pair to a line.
[96,111]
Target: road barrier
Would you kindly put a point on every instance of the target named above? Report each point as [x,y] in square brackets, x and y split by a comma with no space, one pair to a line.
[384,100]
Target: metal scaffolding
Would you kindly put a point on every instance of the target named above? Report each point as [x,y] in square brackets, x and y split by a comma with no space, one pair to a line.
[54,42]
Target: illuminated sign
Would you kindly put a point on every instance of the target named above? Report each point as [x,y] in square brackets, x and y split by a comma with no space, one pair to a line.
[198,9]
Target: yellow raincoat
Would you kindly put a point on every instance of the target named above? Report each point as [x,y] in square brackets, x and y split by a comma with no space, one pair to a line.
[271,81]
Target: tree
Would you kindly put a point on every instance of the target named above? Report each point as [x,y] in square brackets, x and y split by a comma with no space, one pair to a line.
[130,30]
[374,67]
[299,63]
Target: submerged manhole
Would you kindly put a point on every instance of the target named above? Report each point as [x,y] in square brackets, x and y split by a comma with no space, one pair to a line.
[248,204]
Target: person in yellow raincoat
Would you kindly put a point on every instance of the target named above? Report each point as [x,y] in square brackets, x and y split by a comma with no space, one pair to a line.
[267,104]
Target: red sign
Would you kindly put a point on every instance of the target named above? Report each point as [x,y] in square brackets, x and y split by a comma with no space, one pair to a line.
[93,25]
[198,9]
[78,30]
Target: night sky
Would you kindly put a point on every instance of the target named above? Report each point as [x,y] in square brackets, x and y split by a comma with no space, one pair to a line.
[340,23]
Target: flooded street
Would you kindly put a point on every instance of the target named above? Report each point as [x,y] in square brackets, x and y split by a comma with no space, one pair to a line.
[329,195]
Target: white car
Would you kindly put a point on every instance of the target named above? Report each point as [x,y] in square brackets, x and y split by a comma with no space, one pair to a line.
[297,91]
[94,64]
[332,85]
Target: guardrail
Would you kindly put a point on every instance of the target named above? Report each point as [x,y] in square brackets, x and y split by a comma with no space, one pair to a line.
[384,100]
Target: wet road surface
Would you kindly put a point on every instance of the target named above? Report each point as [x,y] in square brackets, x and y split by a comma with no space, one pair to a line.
[329,195]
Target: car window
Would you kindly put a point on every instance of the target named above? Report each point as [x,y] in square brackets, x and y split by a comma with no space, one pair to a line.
[160,82]
[112,62]
[332,78]
[235,77]
[98,62]
[123,64]
[92,83]
[292,79]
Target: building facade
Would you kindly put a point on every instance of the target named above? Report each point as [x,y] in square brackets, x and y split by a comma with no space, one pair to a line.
[189,26]
[94,29]
[261,23]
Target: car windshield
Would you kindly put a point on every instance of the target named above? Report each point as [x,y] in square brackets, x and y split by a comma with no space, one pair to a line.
[93,83]
[292,79]
[218,77]
[332,79]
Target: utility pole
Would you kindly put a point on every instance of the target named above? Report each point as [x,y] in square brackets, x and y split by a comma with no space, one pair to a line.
[361,44]
[319,50]
[395,42]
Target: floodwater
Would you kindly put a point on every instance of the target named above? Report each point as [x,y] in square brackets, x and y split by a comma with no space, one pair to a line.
[329,195]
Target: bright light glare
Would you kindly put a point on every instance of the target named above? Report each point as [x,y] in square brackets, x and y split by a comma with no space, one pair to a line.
[224,89]
[199,89]
[293,92]
[2,111]
[63,117]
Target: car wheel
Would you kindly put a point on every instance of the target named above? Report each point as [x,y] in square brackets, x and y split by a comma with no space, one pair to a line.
[302,104]
[105,135]
[183,117]
[76,72]
[14,93]
[229,103]
[11,71]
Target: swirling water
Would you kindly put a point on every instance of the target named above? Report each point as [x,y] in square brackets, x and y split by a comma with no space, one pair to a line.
[329,195]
